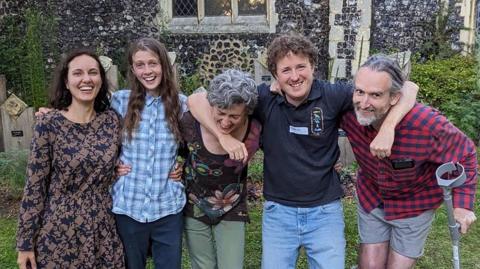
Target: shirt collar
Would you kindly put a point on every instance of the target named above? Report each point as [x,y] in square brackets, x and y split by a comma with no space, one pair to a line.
[149,99]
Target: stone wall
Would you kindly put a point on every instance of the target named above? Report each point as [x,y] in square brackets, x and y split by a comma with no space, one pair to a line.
[208,54]
[349,19]
[9,7]
[310,18]
[109,25]
[408,24]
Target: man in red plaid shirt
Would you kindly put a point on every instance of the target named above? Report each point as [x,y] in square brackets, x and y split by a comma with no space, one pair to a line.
[398,193]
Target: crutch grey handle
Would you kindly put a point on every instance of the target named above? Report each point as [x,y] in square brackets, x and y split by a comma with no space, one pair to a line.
[449,168]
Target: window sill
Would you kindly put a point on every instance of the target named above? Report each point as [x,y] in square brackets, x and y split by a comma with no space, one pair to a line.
[221,24]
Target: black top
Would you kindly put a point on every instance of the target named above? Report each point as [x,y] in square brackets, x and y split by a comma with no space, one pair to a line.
[300,144]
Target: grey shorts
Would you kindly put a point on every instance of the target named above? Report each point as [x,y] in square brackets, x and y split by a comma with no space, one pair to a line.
[407,236]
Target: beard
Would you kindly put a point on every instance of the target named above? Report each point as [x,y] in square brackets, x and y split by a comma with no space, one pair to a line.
[365,121]
[373,119]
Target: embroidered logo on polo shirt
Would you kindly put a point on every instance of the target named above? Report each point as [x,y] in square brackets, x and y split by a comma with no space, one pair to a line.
[316,121]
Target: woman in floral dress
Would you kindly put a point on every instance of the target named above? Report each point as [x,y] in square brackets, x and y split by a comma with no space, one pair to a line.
[65,219]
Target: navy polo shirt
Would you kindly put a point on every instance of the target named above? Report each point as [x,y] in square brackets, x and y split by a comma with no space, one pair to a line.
[300,144]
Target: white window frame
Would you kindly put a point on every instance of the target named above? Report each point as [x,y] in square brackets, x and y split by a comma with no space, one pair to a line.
[218,24]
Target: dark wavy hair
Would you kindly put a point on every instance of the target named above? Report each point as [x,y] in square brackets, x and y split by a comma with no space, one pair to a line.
[295,43]
[168,88]
[60,96]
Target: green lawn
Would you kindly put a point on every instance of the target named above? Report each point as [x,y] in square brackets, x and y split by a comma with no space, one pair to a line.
[437,251]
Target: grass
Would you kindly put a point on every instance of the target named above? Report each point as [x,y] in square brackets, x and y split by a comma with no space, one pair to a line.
[437,249]
[8,256]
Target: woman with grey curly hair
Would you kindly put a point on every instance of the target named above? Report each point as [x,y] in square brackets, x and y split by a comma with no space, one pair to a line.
[233,87]
[216,213]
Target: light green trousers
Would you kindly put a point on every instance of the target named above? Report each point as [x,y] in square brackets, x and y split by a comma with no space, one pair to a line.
[220,246]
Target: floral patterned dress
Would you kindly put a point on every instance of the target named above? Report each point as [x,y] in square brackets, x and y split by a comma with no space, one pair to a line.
[65,212]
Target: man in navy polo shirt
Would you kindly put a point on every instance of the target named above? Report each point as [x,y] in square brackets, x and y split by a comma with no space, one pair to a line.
[398,195]
[300,133]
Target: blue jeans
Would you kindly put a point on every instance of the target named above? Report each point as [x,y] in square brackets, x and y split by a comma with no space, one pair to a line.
[319,230]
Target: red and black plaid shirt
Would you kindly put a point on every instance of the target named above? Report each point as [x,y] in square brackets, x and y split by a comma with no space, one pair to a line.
[430,140]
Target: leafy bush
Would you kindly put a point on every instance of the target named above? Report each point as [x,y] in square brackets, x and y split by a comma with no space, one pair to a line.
[13,165]
[450,86]
[188,84]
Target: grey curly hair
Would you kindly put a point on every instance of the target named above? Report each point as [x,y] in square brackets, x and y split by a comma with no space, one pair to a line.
[233,87]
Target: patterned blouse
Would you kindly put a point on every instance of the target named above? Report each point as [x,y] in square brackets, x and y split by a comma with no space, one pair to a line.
[215,184]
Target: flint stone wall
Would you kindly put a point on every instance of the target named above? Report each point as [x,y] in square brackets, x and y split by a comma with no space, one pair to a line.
[108,26]
[408,24]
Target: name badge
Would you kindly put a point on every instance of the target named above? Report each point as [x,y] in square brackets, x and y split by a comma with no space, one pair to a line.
[299,130]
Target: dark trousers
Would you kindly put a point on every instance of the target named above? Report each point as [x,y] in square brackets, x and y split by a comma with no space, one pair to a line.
[164,235]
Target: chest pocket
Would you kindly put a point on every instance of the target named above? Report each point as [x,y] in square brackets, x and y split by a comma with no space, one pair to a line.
[399,179]
[404,175]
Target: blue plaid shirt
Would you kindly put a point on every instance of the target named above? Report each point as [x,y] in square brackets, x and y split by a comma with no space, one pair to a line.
[147,194]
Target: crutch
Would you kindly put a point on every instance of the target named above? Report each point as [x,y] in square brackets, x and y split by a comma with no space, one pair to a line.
[447,184]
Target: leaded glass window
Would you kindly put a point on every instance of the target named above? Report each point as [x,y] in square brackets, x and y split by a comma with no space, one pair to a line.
[185,8]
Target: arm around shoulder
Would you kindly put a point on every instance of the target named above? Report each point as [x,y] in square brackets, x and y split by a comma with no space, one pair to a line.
[202,111]
[381,146]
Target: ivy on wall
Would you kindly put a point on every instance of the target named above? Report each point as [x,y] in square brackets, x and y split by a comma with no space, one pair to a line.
[23,40]
[33,64]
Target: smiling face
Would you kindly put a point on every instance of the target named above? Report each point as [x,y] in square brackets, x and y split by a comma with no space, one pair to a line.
[147,69]
[372,98]
[294,74]
[231,119]
[83,79]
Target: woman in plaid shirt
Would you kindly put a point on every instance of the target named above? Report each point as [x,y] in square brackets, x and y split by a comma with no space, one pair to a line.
[147,203]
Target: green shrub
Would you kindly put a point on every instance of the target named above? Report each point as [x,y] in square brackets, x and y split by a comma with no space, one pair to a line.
[188,84]
[450,86]
[13,166]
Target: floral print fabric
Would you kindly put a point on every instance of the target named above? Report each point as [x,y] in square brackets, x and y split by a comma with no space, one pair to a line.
[216,185]
[65,212]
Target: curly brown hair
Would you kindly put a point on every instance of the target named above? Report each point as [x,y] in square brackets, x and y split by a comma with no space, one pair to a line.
[168,88]
[294,43]
[60,96]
